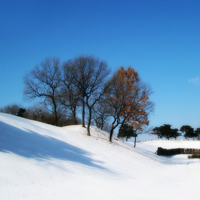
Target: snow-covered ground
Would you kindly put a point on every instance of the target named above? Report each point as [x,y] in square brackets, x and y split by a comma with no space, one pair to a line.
[43,162]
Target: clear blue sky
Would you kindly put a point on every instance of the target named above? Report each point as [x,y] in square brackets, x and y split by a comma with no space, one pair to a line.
[159,38]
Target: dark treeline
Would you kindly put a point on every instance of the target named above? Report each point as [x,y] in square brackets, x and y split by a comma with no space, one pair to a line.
[38,113]
[167,132]
[84,86]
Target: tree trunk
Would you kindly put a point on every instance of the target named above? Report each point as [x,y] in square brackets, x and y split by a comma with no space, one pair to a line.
[74,116]
[111,134]
[89,121]
[112,129]
[83,113]
[135,142]
[55,112]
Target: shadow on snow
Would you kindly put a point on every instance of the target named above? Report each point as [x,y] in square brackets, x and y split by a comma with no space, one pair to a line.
[30,144]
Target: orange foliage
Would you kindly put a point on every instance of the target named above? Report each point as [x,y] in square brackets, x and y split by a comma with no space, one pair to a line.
[129,98]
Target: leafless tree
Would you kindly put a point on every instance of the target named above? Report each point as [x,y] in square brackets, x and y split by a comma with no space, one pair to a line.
[101,113]
[44,82]
[88,75]
[70,95]
[10,109]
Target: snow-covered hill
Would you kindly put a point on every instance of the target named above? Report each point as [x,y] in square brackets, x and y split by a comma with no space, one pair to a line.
[43,162]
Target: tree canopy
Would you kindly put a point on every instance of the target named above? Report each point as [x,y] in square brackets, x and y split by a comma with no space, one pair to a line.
[166,131]
[126,131]
[128,99]
[44,82]
[189,131]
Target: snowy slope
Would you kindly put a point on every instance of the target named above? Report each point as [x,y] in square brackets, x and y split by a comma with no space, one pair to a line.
[43,162]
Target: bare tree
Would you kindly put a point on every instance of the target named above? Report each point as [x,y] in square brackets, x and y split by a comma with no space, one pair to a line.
[70,95]
[77,71]
[101,114]
[44,82]
[88,76]
[39,113]
[10,109]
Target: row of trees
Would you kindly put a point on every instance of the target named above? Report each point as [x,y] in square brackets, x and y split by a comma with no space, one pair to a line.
[167,132]
[37,112]
[85,84]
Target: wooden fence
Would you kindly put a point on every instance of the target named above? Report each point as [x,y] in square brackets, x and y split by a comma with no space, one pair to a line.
[170,152]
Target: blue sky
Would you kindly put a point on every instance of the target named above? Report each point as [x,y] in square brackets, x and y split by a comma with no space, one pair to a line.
[159,38]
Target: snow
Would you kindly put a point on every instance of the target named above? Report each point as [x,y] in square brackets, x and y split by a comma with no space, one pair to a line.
[40,161]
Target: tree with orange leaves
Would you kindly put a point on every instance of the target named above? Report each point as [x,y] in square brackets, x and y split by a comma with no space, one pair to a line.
[128,98]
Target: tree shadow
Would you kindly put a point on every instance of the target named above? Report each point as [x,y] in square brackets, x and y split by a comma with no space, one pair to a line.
[30,144]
